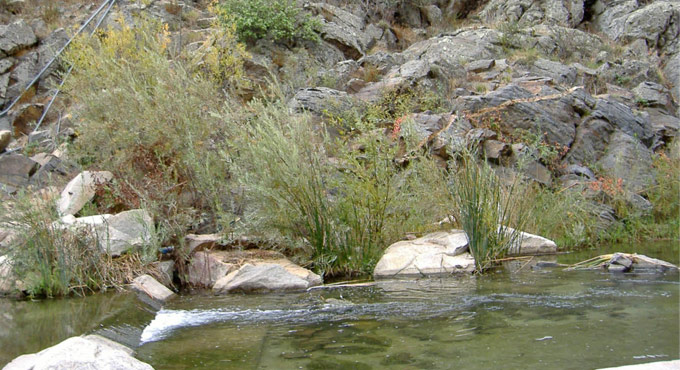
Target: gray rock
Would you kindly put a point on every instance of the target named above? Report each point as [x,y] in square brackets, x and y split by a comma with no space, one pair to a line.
[196,242]
[125,230]
[434,254]
[432,13]
[480,65]
[672,73]
[623,118]
[627,159]
[5,139]
[16,170]
[49,48]
[568,13]
[80,353]
[4,83]
[260,278]
[657,23]
[609,16]
[150,291]
[9,283]
[382,60]
[580,171]
[317,100]
[530,244]
[16,36]
[591,141]
[665,127]
[80,190]
[494,149]
[345,30]
[559,72]
[537,172]
[652,94]
[206,268]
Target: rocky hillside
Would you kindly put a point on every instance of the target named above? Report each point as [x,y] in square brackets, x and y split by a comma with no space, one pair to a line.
[578,98]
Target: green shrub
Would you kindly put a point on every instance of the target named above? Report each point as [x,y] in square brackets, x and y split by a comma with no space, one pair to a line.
[280,20]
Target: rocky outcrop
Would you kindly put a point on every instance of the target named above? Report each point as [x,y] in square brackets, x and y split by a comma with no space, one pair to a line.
[89,352]
[80,190]
[658,22]
[567,13]
[434,254]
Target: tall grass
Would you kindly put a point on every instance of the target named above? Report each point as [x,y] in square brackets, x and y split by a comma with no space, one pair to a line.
[491,213]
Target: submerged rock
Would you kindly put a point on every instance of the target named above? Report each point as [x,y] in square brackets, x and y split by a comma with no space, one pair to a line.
[90,352]
[434,254]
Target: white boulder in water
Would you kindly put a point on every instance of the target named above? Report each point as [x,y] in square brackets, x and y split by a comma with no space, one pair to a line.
[91,352]
[266,277]
[434,254]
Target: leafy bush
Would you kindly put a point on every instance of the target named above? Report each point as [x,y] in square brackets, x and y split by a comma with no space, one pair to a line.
[280,20]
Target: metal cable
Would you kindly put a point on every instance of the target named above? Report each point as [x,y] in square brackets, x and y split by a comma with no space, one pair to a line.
[68,72]
[44,69]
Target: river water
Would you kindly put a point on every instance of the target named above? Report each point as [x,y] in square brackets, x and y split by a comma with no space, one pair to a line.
[520,316]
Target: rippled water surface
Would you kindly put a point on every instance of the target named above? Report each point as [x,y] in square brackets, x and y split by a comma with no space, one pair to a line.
[543,318]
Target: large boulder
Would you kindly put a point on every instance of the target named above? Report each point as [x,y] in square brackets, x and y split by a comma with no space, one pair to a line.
[205,268]
[90,352]
[434,254]
[125,230]
[16,36]
[263,277]
[80,190]
[443,57]
[347,31]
